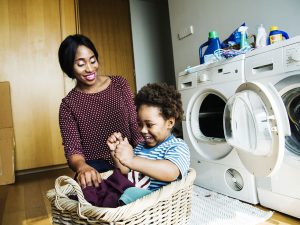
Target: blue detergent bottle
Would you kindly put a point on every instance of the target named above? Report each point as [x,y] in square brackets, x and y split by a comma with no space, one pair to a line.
[276,35]
[212,44]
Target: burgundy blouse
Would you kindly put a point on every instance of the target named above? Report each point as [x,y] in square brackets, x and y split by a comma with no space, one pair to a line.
[87,120]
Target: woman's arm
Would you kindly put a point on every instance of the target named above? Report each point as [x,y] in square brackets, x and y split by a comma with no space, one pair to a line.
[86,175]
[69,131]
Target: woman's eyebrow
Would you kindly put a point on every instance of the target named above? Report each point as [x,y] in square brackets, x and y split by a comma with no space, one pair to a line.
[93,56]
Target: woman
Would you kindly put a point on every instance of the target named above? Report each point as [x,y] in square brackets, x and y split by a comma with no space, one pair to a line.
[95,108]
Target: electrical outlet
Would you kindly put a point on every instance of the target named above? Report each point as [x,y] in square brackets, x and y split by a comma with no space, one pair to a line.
[186,32]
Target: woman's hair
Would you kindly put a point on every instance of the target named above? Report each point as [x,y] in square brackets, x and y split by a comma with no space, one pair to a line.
[167,98]
[67,51]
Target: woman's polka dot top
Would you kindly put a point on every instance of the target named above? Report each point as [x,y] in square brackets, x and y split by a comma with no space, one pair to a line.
[87,120]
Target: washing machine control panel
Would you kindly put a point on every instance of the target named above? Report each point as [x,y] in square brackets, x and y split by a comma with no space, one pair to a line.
[221,73]
[292,57]
[211,74]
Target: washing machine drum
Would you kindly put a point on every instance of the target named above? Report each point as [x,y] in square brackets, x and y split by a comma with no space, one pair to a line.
[291,100]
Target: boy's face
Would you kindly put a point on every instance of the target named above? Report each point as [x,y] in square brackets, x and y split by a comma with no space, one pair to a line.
[153,126]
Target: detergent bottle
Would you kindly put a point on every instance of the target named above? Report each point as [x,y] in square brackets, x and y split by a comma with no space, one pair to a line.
[261,37]
[212,44]
[276,35]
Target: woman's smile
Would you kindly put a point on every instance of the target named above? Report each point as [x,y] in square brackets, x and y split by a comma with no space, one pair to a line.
[90,77]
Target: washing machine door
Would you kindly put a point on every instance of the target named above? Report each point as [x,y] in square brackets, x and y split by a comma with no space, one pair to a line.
[256,123]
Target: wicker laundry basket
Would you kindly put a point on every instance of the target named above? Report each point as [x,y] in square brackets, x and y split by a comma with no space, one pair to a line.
[170,205]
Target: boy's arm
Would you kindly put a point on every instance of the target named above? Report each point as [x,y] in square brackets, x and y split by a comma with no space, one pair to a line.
[113,141]
[124,170]
[163,170]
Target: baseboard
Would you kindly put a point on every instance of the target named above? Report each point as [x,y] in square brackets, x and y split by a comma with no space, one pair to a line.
[41,169]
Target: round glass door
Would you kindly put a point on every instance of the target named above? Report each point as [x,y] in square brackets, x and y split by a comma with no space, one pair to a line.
[204,124]
[255,125]
[247,125]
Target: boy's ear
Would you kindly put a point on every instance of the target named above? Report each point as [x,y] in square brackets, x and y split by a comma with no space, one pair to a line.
[171,122]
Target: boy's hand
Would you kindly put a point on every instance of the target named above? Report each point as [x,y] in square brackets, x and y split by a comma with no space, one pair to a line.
[113,140]
[124,152]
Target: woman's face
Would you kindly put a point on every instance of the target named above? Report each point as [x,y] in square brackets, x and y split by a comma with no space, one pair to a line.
[85,66]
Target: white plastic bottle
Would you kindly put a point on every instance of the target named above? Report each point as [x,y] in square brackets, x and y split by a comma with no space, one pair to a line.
[261,37]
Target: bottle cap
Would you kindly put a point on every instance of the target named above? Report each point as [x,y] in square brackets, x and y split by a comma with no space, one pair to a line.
[273,28]
[213,34]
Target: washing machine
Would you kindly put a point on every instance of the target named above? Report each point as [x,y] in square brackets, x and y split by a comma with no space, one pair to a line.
[278,66]
[205,90]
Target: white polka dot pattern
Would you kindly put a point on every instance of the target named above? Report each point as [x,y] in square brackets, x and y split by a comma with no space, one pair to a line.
[86,120]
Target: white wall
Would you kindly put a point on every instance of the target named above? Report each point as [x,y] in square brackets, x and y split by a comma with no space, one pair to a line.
[151,42]
[225,17]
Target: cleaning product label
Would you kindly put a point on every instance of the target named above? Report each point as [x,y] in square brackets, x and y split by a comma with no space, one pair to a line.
[275,38]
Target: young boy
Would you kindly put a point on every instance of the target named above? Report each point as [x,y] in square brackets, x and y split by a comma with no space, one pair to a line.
[162,157]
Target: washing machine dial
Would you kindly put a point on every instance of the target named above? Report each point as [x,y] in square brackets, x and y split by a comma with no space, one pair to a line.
[203,77]
[296,55]
[292,56]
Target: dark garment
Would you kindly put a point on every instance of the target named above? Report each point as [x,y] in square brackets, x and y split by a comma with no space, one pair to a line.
[109,190]
[100,165]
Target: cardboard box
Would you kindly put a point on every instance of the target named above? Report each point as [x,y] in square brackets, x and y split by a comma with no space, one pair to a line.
[6,120]
[7,159]
[7,162]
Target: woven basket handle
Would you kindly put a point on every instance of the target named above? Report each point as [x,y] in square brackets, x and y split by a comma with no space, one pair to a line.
[65,185]
[72,187]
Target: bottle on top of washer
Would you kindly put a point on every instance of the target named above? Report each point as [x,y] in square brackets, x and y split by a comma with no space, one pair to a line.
[244,42]
[276,35]
[261,37]
[211,53]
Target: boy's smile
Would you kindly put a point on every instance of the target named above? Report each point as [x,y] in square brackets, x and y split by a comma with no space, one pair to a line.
[154,128]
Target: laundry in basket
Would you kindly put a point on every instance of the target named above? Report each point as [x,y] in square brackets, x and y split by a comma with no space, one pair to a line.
[169,205]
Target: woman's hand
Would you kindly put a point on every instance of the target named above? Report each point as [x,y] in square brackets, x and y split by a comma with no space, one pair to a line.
[88,176]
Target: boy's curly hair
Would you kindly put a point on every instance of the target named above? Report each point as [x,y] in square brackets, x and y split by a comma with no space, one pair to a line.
[161,95]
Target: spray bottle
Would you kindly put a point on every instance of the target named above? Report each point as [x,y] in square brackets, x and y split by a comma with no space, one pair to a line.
[244,43]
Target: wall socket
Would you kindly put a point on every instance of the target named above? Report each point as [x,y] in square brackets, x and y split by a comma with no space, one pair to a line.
[185,32]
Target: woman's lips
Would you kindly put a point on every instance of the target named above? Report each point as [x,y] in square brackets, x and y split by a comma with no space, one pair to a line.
[90,77]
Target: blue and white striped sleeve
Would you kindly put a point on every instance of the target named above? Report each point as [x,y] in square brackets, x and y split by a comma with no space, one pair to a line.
[179,154]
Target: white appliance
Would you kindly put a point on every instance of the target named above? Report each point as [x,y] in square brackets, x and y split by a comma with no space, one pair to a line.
[278,65]
[205,89]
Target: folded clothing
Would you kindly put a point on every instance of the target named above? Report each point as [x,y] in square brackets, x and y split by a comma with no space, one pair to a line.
[109,190]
